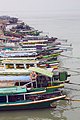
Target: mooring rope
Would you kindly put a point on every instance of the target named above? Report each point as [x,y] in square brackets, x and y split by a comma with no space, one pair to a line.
[64,40]
[70,56]
[73,83]
[69,99]
[69,69]
[72,89]
[66,44]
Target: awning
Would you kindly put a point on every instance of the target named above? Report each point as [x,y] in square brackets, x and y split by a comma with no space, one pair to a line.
[15,78]
[41,71]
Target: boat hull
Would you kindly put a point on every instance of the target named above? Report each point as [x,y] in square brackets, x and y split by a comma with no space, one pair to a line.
[46,103]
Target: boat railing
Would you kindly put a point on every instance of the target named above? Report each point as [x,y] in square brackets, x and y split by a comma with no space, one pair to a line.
[31,82]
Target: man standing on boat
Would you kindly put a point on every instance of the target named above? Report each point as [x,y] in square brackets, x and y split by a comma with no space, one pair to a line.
[33,77]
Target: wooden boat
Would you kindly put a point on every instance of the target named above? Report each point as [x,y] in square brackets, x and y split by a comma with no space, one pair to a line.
[8,19]
[22,33]
[25,63]
[44,76]
[35,85]
[38,85]
[16,98]
[29,51]
[25,53]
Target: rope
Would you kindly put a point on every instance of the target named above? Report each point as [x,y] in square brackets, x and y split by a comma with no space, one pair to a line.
[69,99]
[64,40]
[66,44]
[74,83]
[69,69]
[70,56]
[72,89]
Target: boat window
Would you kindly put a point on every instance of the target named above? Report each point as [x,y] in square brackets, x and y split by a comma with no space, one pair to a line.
[14,98]
[2,99]
[27,65]
[11,66]
[31,65]
[19,66]
[20,97]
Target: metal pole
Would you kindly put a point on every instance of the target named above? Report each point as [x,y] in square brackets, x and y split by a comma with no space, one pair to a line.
[36,78]
[14,66]
[51,81]
[19,83]
[7,98]
[24,97]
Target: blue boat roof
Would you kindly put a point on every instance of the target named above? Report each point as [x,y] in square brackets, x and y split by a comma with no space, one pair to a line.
[15,78]
[18,54]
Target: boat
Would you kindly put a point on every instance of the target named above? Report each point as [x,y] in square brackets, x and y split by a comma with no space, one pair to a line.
[44,79]
[38,84]
[25,63]
[56,75]
[17,98]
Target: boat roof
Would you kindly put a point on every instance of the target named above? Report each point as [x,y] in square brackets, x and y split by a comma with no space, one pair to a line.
[19,54]
[18,58]
[12,90]
[14,71]
[15,78]
[41,71]
[18,61]
[34,41]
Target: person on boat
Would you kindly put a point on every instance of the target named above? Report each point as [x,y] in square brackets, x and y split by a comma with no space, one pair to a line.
[33,75]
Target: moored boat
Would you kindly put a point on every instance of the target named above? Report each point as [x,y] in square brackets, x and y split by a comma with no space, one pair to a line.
[18,99]
[45,74]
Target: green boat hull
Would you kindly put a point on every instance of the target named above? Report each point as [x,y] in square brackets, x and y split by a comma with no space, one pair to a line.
[23,105]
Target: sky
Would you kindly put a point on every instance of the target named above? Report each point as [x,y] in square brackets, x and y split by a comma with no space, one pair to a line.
[40,6]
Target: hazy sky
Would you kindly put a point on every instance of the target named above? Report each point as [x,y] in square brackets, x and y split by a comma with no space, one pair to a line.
[41,6]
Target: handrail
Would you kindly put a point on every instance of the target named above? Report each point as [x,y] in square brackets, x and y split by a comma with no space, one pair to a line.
[29,83]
